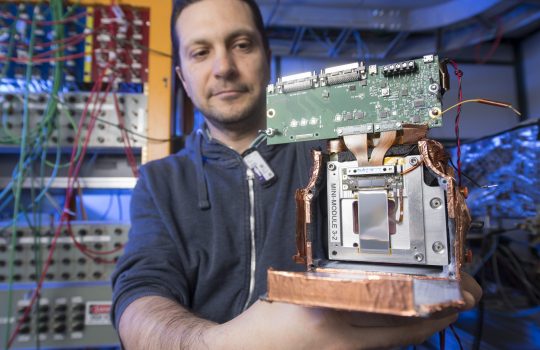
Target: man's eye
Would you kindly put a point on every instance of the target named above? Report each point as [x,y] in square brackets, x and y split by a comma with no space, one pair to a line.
[243,45]
[199,53]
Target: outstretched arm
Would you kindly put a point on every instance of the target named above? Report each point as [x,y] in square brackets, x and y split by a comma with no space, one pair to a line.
[159,323]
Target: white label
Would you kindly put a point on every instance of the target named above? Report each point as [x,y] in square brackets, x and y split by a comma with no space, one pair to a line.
[76,335]
[23,338]
[98,313]
[256,162]
[371,170]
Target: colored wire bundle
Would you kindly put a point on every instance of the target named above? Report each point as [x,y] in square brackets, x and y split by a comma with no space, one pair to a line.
[34,143]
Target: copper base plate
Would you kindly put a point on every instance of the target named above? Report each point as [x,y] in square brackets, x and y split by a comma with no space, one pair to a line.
[391,294]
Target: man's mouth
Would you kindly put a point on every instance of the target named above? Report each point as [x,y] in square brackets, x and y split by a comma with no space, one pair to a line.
[229,92]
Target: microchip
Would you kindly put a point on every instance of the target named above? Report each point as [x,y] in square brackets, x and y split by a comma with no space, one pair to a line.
[384,114]
[415,119]
[351,88]
[404,92]
[347,116]
[419,103]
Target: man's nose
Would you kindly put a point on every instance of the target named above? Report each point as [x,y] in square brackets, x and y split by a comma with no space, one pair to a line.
[224,65]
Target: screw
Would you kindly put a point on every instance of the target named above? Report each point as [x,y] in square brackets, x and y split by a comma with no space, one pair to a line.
[413,161]
[438,247]
[340,131]
[269,132]
[435,202]
[418,257]
[331,166]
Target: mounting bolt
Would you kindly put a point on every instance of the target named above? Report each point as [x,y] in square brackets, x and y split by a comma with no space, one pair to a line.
[435,202]
[331,166]
[270,132]
[413,161]
[419,257]
[340,131]
[438,247]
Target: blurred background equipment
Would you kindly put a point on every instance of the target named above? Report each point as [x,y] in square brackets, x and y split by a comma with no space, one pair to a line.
[74,127]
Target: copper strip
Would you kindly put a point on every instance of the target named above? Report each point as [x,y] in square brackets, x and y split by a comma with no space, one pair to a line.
[358,145]
[304,198]
[387,295]
[408,170]
[385,142]
[412,134]
[336,146]
[436,159]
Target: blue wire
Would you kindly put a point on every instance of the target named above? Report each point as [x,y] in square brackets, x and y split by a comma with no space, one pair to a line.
[120,210]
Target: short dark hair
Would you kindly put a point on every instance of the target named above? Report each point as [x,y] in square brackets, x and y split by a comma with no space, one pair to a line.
[180,5]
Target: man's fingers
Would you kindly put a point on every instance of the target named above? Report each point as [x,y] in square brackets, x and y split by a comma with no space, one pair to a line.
[391,336]
[364,319]
[472,292]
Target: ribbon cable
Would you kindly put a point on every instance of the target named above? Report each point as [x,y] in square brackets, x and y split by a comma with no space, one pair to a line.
[358,145]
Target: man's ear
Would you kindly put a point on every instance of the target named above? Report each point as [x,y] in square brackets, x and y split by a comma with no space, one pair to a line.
[178,71]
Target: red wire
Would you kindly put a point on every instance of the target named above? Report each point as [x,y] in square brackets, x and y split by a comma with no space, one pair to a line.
[40,45]
[72,176]
[42,60]
[494,46]
[87,251]
[44,23]
[125,137]
[459,75]
[73,41]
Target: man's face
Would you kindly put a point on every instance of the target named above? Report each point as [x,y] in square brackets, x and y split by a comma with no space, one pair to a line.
[224,66]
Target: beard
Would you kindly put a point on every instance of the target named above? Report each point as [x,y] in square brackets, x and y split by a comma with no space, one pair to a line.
[240,118]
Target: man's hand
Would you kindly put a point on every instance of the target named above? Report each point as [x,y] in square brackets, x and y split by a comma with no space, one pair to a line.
[285,326]
[472,292]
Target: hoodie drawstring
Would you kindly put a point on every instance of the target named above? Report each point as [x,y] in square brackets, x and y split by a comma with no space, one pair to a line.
[202,186]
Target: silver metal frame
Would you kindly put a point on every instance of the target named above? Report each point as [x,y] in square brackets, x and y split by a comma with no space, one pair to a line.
[422,238]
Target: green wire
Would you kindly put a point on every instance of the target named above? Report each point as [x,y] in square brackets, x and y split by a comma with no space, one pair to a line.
[71,120]
[18,187]
[51,111]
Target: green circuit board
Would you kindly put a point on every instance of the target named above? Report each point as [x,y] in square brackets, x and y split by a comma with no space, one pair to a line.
[354,99]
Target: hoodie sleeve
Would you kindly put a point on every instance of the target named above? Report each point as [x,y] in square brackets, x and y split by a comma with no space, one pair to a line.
[150,265]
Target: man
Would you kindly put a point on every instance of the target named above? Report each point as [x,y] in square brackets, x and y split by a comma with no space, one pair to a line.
[204,230]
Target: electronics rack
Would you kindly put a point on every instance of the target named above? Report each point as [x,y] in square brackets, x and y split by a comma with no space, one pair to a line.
[74,305]
[98,72]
